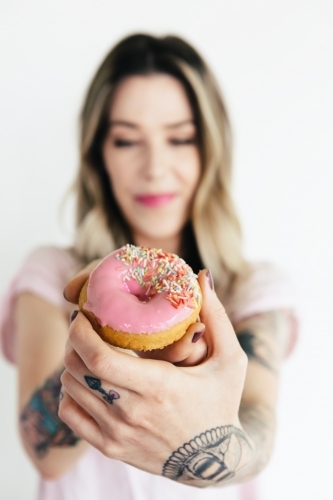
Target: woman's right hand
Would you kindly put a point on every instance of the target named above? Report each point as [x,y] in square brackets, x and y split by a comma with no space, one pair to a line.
[190,350]
[180,422]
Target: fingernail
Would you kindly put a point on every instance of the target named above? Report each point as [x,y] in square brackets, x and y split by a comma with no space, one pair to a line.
[210,280]
[73,316]
[64,295]
[197,336]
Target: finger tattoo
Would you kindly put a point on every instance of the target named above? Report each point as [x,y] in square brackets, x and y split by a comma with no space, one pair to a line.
[96,385]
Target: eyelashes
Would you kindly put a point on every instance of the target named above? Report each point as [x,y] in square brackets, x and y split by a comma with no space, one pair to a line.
[121,143]
[183,142]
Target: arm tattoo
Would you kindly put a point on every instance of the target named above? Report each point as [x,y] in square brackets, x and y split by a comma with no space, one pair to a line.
[209,458]
[251,344]
[40,421]
[262,338]
[259,423]
[96,385]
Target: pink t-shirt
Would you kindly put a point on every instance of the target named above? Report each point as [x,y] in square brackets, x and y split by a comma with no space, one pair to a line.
[45,273]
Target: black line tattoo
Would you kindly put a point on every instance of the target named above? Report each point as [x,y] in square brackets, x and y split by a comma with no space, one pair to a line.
[96,385]
[259,423]
[250,343]
[209,458]
[40,421]
[263,337]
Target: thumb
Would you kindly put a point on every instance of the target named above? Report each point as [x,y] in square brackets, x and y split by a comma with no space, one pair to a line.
[220,335]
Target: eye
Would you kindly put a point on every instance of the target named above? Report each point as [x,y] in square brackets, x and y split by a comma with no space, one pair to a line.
[183,142]
[120,143]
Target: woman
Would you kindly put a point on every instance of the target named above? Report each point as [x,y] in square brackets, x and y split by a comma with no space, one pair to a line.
[154,171]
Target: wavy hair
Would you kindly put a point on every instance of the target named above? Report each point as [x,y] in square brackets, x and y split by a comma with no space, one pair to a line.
[213,231]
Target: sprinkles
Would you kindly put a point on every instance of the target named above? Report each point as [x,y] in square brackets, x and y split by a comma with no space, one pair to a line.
[158,271]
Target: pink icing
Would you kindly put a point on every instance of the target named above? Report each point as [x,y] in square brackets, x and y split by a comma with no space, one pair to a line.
[118,300]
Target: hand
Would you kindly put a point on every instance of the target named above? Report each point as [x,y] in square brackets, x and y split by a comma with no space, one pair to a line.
[140,411]
[190,350]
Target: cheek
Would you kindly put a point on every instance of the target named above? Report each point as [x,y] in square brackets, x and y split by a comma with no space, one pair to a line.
[189,169]
[116,171]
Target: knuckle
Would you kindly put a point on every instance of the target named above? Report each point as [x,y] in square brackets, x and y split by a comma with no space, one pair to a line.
[162,384]
[72,332]
[70,360]
[98,365]
[134,418]
[67,381]
[109,447]
[239,360]
[64,412]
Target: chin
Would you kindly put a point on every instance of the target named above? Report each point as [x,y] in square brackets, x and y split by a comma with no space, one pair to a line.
[160,232]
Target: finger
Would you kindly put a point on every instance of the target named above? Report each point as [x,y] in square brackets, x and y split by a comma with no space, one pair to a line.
[75,368]
[220,335]
[190,350]
[90,403]
[124,370]
[73,287]
[82,424]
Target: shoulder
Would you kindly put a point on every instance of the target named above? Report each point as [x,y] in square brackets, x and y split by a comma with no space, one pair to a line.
[51,257]
[44,273]
[263,287]
[46,270]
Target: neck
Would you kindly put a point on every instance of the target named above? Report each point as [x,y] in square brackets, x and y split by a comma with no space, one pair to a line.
[171,245]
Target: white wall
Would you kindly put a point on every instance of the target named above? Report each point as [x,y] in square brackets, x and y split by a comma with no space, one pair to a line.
[274,62]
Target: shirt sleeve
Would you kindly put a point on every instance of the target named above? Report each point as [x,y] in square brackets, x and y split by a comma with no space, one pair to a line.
[265,288]
[44,273]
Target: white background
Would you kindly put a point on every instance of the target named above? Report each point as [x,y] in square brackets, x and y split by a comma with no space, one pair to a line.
[274,62]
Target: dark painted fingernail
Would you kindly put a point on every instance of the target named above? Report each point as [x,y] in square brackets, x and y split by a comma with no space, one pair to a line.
[210,280]
[197,336]
[73,316]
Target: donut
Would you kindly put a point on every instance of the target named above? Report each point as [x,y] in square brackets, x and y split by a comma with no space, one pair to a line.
[141,298]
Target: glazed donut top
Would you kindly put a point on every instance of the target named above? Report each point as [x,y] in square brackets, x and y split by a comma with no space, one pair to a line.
[142,290]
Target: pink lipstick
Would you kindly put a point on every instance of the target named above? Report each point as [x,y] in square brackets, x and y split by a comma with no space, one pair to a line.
[154,200]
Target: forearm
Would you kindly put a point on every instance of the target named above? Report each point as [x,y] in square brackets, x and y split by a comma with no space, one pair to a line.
[259,423]
[51,444]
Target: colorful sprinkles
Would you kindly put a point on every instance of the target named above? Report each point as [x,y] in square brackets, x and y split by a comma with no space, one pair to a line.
[158,271]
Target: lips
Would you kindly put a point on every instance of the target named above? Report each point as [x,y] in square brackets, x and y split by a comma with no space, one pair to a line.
[154,200]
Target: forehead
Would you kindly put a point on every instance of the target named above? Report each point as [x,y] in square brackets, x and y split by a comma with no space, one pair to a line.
[151,99]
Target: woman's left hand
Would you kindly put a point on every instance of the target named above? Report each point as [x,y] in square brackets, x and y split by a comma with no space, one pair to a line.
[180,422]
[190,350]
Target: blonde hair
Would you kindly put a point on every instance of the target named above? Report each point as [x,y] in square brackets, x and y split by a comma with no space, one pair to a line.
[100,225]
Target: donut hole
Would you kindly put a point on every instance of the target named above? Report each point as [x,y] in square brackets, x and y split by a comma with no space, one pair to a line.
[134,288]
[142,297]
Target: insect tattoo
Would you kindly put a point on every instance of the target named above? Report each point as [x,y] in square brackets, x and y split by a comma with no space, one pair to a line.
[96,385]
[212,456]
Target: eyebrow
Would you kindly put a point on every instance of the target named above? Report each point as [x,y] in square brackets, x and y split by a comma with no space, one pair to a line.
[135,126]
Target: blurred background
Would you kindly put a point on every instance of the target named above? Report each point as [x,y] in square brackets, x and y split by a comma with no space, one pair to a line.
[274,61]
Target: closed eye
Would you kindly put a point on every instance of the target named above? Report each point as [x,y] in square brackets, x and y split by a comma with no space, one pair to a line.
[120,143]
[183,142]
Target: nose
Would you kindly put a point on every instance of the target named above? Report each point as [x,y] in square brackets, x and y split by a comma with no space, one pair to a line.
[156,161]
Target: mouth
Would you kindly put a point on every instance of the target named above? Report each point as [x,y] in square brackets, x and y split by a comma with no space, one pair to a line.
[154,200]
